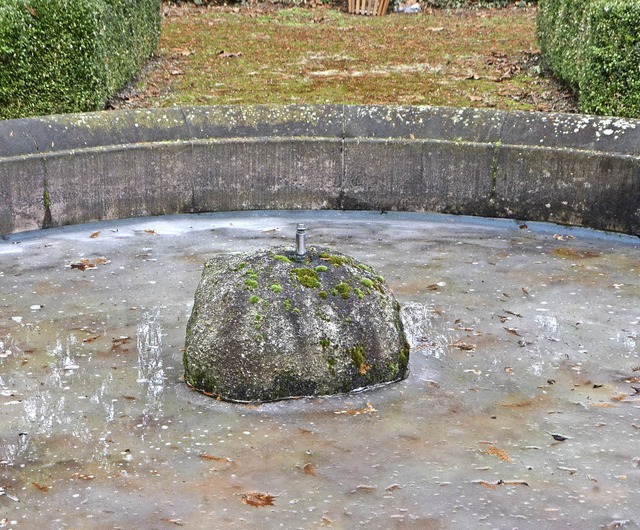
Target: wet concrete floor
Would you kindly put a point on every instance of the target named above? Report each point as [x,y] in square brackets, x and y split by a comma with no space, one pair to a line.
[521,410]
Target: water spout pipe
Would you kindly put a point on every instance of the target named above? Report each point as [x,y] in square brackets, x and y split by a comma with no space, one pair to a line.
[301,240]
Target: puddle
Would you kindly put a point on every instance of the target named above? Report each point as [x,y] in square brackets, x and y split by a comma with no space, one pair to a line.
[521,409]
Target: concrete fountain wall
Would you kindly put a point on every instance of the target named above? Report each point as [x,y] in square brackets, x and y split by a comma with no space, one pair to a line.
[572,169]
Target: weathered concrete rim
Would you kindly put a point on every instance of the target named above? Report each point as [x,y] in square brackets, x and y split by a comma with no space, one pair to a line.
[569,169]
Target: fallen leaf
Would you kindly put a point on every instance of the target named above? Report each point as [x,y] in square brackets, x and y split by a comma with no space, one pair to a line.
[366,488]
[95,234]
[120,341]
[619,397]
[512,313]
[500,453]
[355,412]
[558,437]
[82,476]
[41,487]
[31,10]
[464,346]
[205,456]
[150,231]
[523,227]
[475,98]
[309,469]
[602,406]
[254,498]
[494,485]
[177,522]
[561,237]
[229,55]
[364,368]
[435,30]
[513,331]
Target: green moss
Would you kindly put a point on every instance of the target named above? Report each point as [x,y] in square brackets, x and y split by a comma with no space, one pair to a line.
[283,259]
[380,278]
[250,285]
[344,289]
[336,261]
[364,267]
[297,311]
[366,282]
[254,299]
[325,342]
[250,273]
[287,304]
[323,295]
[357,355]
[321,268]
[240,266]
[307,277]
[359,293]
[276,288]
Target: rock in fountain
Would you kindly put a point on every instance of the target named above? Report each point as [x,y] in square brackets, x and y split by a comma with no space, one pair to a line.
[276,324]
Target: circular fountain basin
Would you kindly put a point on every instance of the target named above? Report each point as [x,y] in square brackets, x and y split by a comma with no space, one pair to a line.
[520,409]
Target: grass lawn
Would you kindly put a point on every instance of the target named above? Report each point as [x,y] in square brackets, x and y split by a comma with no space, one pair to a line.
[260,54]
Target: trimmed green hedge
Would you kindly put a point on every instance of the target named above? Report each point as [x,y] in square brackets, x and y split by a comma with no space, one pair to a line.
[59,56]
[594,47]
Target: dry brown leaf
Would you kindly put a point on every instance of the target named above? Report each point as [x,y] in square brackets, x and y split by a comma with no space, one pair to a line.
[603,405]
[435,30]
[95,234]
[177,522]
[475,98]
[82,476]
[205,456]
[500,453]
[464,346]
[229,55]
[41,487]
[355,412]
[309,469]
[31,10]
[619,397]
[120,341]
[150,231]
[254,498]
[364,368]
[513,331]
[494,485]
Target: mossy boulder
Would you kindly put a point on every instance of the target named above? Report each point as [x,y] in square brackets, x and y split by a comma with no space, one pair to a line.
[265,326]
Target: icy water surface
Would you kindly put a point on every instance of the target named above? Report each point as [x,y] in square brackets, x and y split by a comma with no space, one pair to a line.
[521,409]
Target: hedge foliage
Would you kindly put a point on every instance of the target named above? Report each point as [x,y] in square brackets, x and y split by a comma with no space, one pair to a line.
[59,56]
[594,47]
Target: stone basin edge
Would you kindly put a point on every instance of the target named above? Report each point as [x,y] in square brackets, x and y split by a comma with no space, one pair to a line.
[569,169]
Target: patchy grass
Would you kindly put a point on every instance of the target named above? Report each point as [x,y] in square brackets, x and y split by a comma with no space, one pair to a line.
[259,54]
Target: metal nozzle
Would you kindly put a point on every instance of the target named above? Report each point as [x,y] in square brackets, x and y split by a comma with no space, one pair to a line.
[301,240]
